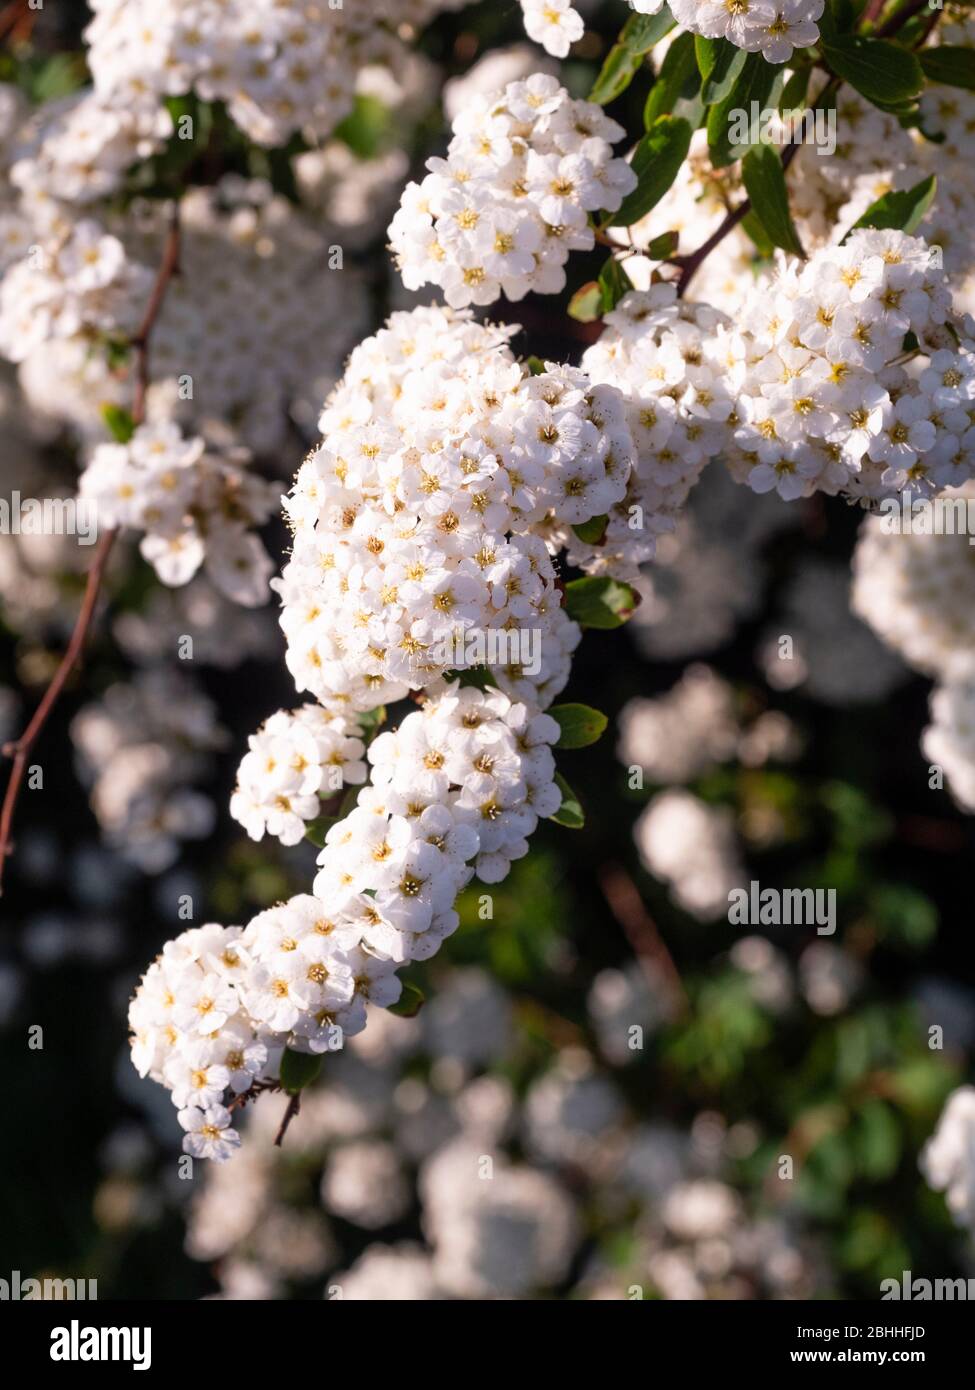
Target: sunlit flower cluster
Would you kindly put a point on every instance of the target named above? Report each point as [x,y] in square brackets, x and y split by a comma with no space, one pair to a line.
[501,214]
[280,65]
[415,546]
[195,509]
[774,28]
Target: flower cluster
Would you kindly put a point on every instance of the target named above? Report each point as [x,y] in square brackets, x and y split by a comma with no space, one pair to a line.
[659,351]
[79,284]
[415,523]
[78,149]
[915,585]
[774,28]
[293,760]
[280,65]
[512,199]
[141,747]
[830,392]
[456,790]
[195,509]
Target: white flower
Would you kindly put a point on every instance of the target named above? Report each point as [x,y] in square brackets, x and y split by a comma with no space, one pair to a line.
[210,1133]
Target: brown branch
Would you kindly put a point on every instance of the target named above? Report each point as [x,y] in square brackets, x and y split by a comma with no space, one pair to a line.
[689,265]
[294,1105]
[898,20]
[624,901]
[20,749]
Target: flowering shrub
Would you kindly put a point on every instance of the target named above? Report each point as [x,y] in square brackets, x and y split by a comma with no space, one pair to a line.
[741,246]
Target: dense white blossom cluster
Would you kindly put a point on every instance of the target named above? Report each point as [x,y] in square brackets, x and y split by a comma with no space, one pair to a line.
[76,286]
[774,28]
[280,65]
[659,351]
[195,508]
[501,214]
[456,789]
[416,546]
[79,285]
[827,396]
[79,148]
[294,760]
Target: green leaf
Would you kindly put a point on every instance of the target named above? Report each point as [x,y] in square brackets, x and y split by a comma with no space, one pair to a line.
[410,1002]
[656,163]
[614,283]
[371,721]
[903,211]
[120,424]
[581,725]
[298,1070]
[587,303]
[317,829]
[625,58]
[882,72]
[793,96]
[368,128]
[752,227]
[720,63]
[592,531]
[642,32]
[755,83]
[663,246]
[535,365]
[950,64]
[600,602]
[678,76]
[764,180]
[570,814]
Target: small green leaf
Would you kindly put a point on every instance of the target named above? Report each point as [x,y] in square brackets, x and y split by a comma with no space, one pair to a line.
[591,532]
[881,71]
[903,211]
[950,64]
[535,365]
[371,721]
[410,1002]
[298,1070]
[663,246]
[317,829]
[625,58]
[724,63]
[656,163]
[764,180]
[614,283]
[570,814]
[586,304]
[120,424]
[678,77]
[793,96]
[600,602]
[752,227]
[731,118]
[581,725]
